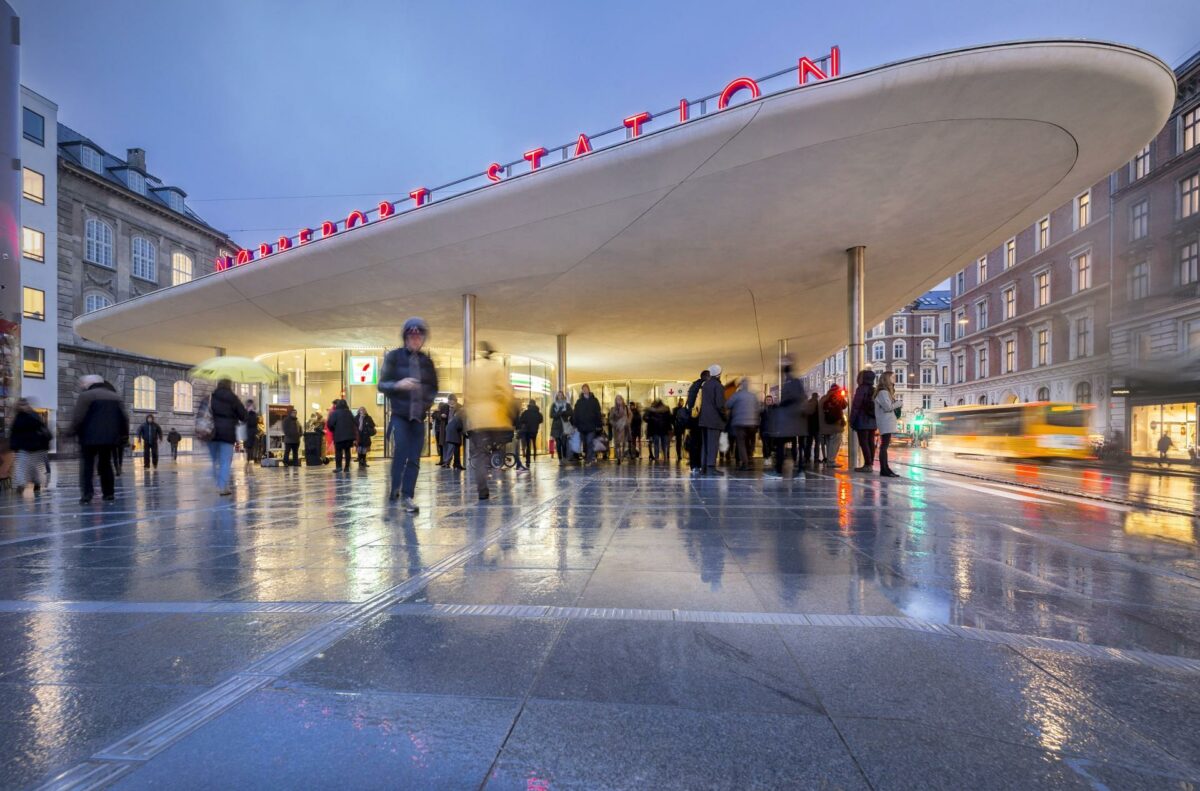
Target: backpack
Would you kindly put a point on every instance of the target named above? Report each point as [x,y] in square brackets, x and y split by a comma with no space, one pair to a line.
[204,428]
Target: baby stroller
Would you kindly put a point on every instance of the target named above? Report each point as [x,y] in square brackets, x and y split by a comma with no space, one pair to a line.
[499,456]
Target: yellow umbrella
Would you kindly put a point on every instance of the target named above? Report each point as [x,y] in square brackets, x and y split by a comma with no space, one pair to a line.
[235,369]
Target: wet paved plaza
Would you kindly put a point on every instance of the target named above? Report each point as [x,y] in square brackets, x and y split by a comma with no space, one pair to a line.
[603,628]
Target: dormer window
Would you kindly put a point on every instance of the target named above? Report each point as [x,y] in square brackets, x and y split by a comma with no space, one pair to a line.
[174,200]
[136,181]
[91,159]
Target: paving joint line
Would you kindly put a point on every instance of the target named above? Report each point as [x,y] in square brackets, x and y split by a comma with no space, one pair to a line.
[119,758]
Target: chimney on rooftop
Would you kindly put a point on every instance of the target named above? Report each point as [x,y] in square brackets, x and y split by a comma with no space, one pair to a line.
[136,158]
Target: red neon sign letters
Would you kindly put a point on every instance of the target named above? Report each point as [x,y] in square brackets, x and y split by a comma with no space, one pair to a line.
[806,69]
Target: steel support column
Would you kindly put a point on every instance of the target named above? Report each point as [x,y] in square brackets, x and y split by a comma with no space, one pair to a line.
[856,258]
[468,356]
[561,370]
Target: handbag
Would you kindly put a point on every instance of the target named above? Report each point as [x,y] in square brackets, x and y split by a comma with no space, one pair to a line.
[897,411]
[204,421]
[723,443]
[575,444]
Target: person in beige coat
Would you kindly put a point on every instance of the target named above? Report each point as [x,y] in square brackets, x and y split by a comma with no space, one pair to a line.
[886,420]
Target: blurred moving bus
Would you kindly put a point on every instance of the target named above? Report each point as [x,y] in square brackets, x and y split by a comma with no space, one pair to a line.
[1017,431]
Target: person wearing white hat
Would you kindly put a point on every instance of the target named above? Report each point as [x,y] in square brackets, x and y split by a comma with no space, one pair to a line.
[712,417]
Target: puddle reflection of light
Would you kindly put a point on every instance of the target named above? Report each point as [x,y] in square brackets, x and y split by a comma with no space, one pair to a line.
[1160,524]
[844,497]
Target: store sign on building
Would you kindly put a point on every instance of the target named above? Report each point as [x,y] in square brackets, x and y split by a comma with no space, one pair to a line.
[540,158]
[364,371]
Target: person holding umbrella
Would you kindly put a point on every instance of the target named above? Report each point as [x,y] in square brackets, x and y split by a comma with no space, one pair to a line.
[225,410]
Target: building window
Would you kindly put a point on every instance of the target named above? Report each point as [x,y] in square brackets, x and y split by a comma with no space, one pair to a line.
[899,350]
[946,332]
[1083,337]
[1041,289]
[927,375]
[1042,350]
[1081,268]
[144,257]
[1043,394]
[1139,281]
[878,331]
[1083,210]
[1083,393]
[143,393]
[1139,220]
[945,376]
[960,323]
[1189,129]
[95,302]
[1139,166]
[181,268]
[1010,253]
[1010,303]
[960,368]
[960,282]
[981,314]
[136,181]
[981,363]
[877,351]
[35,363]
[928,327]
[1189,257]
[1191,335]
[928,349]
[1043,233]
[981,267]
[98,237]
[33,185]
[899,326]
[901,375]
[33,126]
[33,303]
[1010,355]
[92,159]
[175,201]
[1189,196]
[182,396]
[33,244]
[983,400]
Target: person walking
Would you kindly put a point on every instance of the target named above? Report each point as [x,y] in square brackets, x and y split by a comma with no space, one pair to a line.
[832,407]
[529,424]
[658,429]
[29,439]
[489,419]
[814,445]
[712,418]
[411,382]
[292,434]
[101,426]
[886,418]
[635,430]
[764,427]
[560,425]
[250,443]
[1164,447]
[441,416]
[588,422]
[682,418]
[618,420]
[862,418]
[173,439]
[364,425]
[695,437]
[227,411]
[345,434]
[454,439]
[789,422]
[744,415]
[149,434]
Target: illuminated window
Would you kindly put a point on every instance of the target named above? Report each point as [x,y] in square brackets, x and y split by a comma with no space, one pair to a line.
[1042,347]
[981,363]
[182,396]
[1139,166]
[981,314]
[95,302]
[981,268]
[33,303]
[1189,258]
[960,323]
[899,350]
[1010,302]
[1043,233]
[928,350]
[1041,288]
[136,181]
[1189,130]
[1189,196]
[1010,253]
[33,244]
[1139,220]
[144,257]
[1010,355]
[34,363]
[33,185]
[1043,394]
[143,393]
[1083,209]
[98,242]
[33,126]
[1083,393]
[181,268]
[1139,281]
[877,351]
[91,159]
[1081,268]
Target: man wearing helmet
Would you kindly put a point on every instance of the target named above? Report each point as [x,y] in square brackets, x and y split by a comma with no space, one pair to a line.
[410,382]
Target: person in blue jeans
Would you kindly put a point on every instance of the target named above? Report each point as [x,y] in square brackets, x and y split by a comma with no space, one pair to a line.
[227,412]
[410,382]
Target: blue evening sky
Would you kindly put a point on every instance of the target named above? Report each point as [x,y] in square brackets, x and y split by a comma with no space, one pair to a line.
[237,100]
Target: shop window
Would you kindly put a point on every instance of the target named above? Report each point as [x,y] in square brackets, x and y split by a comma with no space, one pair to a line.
[1150,423]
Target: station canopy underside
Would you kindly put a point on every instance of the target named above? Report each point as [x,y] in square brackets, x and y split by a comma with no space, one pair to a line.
[709,241]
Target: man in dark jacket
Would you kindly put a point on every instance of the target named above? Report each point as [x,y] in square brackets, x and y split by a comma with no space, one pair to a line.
[101,426]
[250,445]
[410,382]
[862,417]
[227,412]
[712,417]
[173,439]
[788,421]
[695,437]
[588,421]
[150,434]
[292,432]
[441,416]
[341,423]
[682,418]
[528,426]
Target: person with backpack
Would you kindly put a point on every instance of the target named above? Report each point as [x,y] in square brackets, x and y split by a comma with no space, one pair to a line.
[695,436]
[832,407]
[712,420]
[173,439]
[150,434]
[29,439]
[366,429]
[862,418]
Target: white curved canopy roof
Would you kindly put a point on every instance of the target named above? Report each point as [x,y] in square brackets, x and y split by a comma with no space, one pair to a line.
[708,241]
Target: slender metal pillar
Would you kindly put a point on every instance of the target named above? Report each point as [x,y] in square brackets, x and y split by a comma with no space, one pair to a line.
[562,363]
[856,258]
[468,357]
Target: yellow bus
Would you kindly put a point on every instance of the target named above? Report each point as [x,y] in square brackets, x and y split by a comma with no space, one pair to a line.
[1044,430]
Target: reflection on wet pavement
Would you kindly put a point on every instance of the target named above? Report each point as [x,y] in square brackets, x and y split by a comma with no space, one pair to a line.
[113,616]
